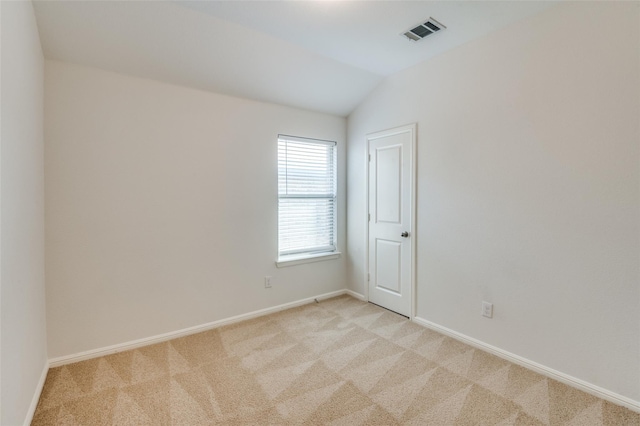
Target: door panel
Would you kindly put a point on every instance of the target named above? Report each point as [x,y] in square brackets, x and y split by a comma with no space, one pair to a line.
[390,218]
[388,261]
[388,173]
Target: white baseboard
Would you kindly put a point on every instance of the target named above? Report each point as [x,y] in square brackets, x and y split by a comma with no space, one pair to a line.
[36,395]
[356,295]
[531,365]
[121,347]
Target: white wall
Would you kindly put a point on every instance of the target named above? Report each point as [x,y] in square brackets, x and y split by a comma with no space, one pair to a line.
[161,207]
[22,293]
[528,191]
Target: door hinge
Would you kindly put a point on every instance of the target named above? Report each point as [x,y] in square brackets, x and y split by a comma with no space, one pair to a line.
[369,217]
[368,277]
[369,157]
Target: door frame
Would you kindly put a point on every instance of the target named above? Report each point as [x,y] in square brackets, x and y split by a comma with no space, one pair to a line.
[412,129]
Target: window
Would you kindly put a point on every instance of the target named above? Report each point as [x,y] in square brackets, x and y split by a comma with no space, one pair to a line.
[306,198]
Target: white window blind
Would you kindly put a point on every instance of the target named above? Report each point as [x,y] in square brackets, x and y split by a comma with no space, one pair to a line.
[306,196]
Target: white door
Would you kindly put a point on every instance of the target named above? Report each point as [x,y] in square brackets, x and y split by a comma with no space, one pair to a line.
[391,195]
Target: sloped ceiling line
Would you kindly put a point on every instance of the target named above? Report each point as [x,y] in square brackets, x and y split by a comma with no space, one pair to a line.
[317,55]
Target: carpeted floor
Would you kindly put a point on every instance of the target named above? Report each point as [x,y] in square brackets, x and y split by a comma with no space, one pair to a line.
[341,362]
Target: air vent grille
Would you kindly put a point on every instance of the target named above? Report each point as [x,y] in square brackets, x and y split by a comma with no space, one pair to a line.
[423,30]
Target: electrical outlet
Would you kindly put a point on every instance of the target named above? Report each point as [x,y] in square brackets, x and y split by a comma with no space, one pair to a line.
[267,282]
[487,309]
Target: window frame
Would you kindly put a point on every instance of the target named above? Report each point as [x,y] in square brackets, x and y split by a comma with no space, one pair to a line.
[308,255]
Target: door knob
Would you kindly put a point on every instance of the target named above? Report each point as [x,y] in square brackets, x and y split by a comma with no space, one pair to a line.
[405,234]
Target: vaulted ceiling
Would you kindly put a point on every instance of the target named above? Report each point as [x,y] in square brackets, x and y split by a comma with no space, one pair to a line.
[319,55]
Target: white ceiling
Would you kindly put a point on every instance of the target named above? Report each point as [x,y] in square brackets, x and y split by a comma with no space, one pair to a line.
[319,55]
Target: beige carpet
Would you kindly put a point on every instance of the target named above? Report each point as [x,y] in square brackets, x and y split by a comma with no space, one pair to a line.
[340,362]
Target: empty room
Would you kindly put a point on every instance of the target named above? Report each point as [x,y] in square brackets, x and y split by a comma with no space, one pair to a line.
[319,212]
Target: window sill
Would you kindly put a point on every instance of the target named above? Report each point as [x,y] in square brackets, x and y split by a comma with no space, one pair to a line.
[293,260]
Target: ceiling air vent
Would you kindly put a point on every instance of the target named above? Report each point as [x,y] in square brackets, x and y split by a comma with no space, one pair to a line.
[423,30]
